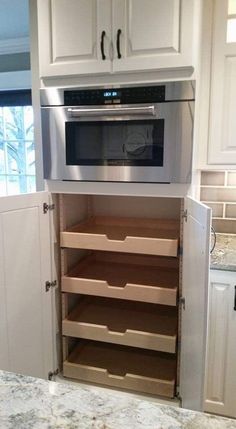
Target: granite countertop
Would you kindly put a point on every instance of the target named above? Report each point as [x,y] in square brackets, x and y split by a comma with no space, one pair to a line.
[30,403]
[223,256]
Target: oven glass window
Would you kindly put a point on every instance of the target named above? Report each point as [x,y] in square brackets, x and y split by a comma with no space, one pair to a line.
[132,142]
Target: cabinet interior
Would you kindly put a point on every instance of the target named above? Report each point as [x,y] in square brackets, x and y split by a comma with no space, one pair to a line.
[120,277]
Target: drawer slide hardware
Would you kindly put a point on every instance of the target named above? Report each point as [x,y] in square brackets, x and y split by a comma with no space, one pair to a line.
[47,207]
[48,285]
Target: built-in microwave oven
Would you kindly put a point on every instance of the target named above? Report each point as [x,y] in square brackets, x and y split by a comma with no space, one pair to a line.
[127,134]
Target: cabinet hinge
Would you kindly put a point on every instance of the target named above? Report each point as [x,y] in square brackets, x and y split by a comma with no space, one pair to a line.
[52,374]
[182,301]
[185,215]
[48,285]
[47,207]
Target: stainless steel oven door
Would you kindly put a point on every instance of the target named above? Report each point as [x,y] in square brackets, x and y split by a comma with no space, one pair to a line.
[100,143]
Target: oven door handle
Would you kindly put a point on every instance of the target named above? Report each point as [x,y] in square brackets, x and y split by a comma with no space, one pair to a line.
[112,111]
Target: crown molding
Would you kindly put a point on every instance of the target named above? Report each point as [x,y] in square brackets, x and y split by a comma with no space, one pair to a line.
[14,46]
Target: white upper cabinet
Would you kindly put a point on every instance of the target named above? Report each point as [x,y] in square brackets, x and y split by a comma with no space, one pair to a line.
[73,35]
[222,132]
[152,34]
[81,37]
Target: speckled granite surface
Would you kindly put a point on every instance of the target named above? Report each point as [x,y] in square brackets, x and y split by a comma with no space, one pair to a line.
[224,254]
[29,403]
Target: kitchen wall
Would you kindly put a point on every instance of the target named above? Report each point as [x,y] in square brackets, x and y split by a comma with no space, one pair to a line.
[218,191]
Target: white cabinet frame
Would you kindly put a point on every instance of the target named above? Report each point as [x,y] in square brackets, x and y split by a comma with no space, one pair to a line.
[28,322]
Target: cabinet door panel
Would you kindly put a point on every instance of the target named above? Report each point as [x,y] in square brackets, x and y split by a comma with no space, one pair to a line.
[73,28]
[220,386]
[222,127]
[70,35]
[154,34]
[218,331]
[196,255]
[25,307]
[162,31]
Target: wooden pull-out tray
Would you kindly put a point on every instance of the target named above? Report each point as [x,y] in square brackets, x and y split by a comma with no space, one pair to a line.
[123,367]
[136,324]
[128,277]
[146,236]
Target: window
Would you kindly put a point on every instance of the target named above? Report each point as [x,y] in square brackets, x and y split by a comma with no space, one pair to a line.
[17,154]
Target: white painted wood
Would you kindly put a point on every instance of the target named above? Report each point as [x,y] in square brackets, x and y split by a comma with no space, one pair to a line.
[196,238]
[4,345]
[69,36]
[26,336]
[108,188]
[222,144]
[202,95]
[34,64]
[220,387]
[55,275]
[155,34]
[126,78]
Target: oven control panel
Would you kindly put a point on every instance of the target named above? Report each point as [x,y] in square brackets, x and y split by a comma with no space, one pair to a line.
[141,94]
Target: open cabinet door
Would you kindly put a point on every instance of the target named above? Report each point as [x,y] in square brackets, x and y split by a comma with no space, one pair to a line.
[196,257]
[26,331]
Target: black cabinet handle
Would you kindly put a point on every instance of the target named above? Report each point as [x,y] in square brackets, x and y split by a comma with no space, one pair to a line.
[118,43]
[102,44]
[235,298]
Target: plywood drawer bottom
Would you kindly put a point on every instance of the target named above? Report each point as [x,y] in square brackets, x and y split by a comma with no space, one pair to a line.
[123,367]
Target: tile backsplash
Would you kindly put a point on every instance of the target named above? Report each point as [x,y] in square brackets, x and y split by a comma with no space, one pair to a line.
[218,191]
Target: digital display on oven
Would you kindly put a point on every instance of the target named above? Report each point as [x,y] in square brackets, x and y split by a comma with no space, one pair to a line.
[97,97]
[110,94]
